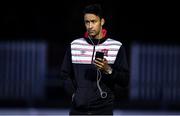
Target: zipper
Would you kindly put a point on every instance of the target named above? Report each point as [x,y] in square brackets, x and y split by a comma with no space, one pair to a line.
[93,54]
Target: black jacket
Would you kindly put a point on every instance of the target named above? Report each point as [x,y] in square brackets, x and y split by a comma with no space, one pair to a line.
[78,66]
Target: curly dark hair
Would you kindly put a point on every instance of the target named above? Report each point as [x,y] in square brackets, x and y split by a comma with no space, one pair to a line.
[94,9]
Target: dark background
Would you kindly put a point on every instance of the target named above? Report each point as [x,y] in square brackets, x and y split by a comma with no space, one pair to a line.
[58,23]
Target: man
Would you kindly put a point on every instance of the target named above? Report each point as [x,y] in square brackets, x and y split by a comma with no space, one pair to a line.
[94,77]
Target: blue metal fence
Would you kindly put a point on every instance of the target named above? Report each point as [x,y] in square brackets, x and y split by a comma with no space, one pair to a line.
[22,70]
[155,72]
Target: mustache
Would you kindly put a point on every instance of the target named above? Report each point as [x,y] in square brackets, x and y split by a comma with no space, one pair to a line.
[90,30]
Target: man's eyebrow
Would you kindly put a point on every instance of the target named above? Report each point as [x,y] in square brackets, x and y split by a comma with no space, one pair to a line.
[90,20]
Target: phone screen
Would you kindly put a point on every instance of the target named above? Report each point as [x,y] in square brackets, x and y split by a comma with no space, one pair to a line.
[99,55]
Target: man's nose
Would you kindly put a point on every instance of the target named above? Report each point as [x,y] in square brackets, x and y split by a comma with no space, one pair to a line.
[90,25]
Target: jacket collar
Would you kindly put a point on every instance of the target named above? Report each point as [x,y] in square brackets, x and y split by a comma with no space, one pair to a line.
[96,41]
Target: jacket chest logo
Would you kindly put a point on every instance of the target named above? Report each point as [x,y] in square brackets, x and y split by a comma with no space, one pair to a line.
[105,51]
[82,51]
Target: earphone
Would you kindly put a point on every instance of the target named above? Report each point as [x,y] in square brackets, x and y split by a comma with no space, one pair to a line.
[102,93]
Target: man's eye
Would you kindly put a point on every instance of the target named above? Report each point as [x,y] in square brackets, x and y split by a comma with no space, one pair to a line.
[86,22]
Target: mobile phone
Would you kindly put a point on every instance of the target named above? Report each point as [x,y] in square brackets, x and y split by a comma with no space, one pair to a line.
[99,55]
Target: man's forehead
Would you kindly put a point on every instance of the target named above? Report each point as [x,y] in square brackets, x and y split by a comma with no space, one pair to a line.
[90,16]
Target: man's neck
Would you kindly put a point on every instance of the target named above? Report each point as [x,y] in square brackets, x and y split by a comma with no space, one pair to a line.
[95,37]
[99,36]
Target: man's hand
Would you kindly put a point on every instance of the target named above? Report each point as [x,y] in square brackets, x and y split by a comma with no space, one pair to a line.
[102,64]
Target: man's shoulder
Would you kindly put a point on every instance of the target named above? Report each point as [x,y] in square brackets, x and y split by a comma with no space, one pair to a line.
[78,40]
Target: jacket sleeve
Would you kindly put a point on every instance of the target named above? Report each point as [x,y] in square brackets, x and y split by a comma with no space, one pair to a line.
[66,71]
[120,74]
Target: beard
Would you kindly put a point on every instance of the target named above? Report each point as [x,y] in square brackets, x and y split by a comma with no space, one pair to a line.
[93,34]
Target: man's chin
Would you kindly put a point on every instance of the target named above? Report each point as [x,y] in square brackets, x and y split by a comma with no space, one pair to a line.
[92,36]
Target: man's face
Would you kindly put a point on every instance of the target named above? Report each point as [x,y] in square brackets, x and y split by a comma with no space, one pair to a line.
[93,25]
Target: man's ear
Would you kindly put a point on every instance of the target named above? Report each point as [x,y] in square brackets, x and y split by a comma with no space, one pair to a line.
[102,21]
